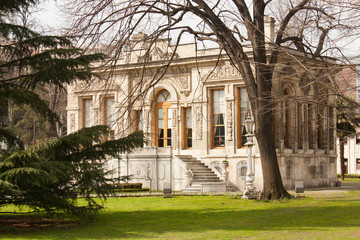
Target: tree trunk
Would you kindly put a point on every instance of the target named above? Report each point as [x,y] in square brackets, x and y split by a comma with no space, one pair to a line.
[342,159]
[273,185]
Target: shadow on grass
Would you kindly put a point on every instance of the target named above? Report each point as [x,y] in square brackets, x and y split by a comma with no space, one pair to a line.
[152,223]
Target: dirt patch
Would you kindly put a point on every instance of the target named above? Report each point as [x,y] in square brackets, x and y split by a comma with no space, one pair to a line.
[30,223]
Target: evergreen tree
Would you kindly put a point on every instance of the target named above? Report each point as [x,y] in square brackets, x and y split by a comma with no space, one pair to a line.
[52,174]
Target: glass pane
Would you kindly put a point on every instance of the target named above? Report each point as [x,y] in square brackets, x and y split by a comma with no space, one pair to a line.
[243,135]
[189,143]
[160,123]
[164,96]
[216,142]
[161,98]
[168,133]
[216,131]
[221,118]
[243,117]
[188,119]
[222,131]
[169,118]
[222,107]
[189,133]
[216,108]
[109,111]
[222,141]
[167,96]
[140,121]
[215,119]
[169,142]
[160,113]
[161,142]
[88,112]
[161,133]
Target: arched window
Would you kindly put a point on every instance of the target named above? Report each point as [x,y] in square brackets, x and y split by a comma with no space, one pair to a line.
[163,119]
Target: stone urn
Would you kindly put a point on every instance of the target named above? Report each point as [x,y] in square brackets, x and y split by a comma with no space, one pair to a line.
[224,165]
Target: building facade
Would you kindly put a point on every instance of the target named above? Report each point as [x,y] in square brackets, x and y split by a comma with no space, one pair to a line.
[192,114]
[348,81]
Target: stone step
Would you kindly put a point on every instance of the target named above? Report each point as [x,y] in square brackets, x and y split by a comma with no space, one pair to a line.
[198,180]
[208,176]
[204,178]
[192,189]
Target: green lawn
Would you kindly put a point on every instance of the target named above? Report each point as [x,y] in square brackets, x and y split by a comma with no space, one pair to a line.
[321,215]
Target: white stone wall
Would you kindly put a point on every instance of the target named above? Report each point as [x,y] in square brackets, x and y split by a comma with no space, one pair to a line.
[189,82]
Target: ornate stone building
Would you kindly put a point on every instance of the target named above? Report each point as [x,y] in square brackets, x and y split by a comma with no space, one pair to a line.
[192,113]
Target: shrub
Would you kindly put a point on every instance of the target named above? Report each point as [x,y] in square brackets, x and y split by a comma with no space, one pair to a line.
[349,175]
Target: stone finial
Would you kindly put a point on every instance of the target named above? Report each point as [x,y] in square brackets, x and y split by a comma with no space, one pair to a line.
[139,36]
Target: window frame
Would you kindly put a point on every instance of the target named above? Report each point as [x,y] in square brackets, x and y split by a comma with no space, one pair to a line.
[138,113]
[104,111]
[212,125]
[83,111]
[166,106]
[239,125]
[287,119]
[185,128]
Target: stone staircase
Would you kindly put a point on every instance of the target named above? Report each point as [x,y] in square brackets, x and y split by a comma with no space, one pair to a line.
[204,179]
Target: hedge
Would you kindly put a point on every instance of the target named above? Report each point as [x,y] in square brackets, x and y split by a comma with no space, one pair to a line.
[131,190]
[349,175]
[126,185]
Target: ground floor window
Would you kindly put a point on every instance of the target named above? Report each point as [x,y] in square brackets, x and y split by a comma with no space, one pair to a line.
[87,112]
[187,128]
[217,118]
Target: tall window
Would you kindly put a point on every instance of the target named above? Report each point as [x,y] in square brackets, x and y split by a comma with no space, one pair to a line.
[331,128]
[139,121]
[286,119]
[217,118]
[243,109]
[300,129]
[309,126]
[87,114]
[187,128]
[109,112]
[320,127]
[163,119]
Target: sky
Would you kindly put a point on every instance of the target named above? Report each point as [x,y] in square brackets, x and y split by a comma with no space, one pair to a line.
[51,18]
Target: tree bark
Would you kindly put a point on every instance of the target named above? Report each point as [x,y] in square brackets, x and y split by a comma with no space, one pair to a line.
[273,186]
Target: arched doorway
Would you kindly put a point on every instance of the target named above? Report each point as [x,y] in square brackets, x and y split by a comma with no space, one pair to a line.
[163,119]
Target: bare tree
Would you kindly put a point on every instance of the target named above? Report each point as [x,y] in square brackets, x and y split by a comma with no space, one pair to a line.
[309,27]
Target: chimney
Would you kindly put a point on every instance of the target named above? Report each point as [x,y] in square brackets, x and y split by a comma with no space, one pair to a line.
[269,24]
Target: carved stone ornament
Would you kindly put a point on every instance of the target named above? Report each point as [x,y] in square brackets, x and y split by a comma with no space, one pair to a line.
[198,115]
[72,122]
[96,116]
[226,71]
[146,126]
[174,129]
[184,83]
[229,127]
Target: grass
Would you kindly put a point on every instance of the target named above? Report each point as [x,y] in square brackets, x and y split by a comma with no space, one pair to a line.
[321,215]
